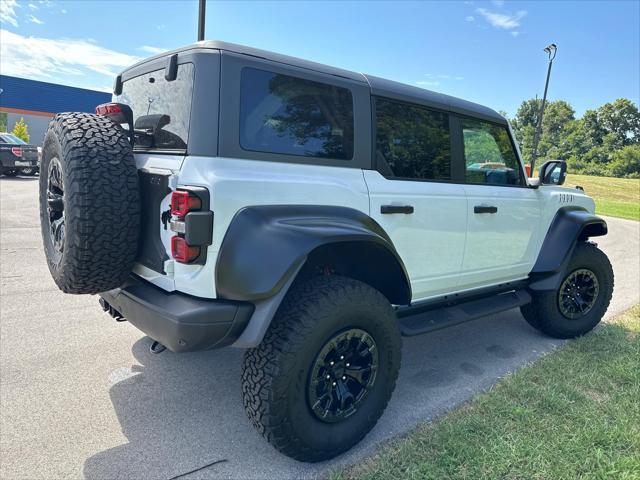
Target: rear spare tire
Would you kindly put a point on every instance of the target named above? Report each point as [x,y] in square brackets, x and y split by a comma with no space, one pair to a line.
[89,203]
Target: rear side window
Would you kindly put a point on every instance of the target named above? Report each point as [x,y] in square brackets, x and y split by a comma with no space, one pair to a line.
[412,142]
[294,116]
[489,154]
[161,109]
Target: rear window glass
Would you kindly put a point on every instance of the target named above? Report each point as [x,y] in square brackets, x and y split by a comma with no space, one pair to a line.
[161,109]
[294,116]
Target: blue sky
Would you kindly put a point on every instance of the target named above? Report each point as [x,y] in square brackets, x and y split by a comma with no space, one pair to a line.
[484,51]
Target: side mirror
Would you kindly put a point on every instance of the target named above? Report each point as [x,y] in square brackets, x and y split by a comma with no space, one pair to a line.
[553,172]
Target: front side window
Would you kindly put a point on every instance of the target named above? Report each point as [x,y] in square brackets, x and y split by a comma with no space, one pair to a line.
[161,109]
[489,154]
[412,142]
[295,116]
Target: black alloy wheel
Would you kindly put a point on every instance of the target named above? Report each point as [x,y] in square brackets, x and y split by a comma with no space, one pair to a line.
[344,371]
[578,293]
[55,205]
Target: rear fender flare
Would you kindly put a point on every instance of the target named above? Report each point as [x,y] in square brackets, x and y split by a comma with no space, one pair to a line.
[265,247]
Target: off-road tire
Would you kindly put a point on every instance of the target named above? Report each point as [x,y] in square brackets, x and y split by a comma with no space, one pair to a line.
[544,314]
[101,203]
[275,374]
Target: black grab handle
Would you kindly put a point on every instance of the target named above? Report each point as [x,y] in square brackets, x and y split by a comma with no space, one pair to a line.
[484,209]
[396,209]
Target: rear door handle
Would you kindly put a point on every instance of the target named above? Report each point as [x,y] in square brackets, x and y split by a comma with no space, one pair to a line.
[406,209]
[485,209]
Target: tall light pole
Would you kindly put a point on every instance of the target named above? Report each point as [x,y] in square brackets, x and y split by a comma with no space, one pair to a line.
[551,51]
[201,15]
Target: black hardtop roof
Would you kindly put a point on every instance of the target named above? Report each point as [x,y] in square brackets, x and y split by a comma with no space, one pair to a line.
[379,86]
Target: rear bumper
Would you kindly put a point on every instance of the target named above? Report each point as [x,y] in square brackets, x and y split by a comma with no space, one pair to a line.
[180,322]
[19,164]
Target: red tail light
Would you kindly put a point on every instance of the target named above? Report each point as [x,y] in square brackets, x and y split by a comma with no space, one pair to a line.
[183,202]
[183,252]
[17,151]
[108,109]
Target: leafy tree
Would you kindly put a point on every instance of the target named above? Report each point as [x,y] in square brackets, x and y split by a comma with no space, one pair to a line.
[20,130]
[625,162]
[556,116]
[3,121]
[621,119]
[596,144]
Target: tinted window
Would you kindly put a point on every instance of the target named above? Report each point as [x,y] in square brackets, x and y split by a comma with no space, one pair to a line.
[412,141]
[293,116]
[489,154]
[9,138]
[161,109]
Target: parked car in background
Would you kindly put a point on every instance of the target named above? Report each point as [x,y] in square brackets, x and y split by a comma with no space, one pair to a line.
[17,157]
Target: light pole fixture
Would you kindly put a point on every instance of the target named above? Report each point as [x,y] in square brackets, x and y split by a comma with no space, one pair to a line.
[551,51]
[201,15]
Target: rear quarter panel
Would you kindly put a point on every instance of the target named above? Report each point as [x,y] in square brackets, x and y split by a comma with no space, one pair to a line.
[234,184]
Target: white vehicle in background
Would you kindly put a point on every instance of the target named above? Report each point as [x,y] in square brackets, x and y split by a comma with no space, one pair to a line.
[310,215]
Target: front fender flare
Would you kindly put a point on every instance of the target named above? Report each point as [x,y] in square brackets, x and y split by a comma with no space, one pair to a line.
[569,226]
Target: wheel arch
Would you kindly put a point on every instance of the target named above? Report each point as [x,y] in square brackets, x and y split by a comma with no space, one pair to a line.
[366,261]
[569,226]
[267,248]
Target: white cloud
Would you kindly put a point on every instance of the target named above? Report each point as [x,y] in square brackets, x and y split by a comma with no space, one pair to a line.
[470,18]
[43,57]
[459,78]
[500,20]
[32,6]
[514,33]
[35,20]
[424,83]
[63,11]
[152,50]
[8,12]
[498,3]
[102,88]
[162,26]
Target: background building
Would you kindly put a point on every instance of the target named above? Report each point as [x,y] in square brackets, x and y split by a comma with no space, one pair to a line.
[37,102]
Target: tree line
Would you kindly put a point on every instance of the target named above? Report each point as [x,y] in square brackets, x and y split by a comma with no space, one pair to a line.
[604,142]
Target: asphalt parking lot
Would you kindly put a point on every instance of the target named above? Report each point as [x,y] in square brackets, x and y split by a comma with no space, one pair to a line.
[81,396]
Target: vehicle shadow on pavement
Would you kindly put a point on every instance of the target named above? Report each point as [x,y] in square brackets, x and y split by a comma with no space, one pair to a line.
[182,412]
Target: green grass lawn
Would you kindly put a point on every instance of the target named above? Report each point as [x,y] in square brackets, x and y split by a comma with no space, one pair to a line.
[617,197]
[574,413]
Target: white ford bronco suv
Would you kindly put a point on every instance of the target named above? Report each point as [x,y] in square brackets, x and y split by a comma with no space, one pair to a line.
[231,196]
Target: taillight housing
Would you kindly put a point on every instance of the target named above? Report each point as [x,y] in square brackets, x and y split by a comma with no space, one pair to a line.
[182,202]
[17,151]
[119,113]
[182,252]
[108,109]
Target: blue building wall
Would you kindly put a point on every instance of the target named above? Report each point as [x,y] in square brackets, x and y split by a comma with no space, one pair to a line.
[32,95]
[36,102]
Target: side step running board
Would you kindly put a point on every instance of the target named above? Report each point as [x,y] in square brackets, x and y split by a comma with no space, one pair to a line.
[446,316]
